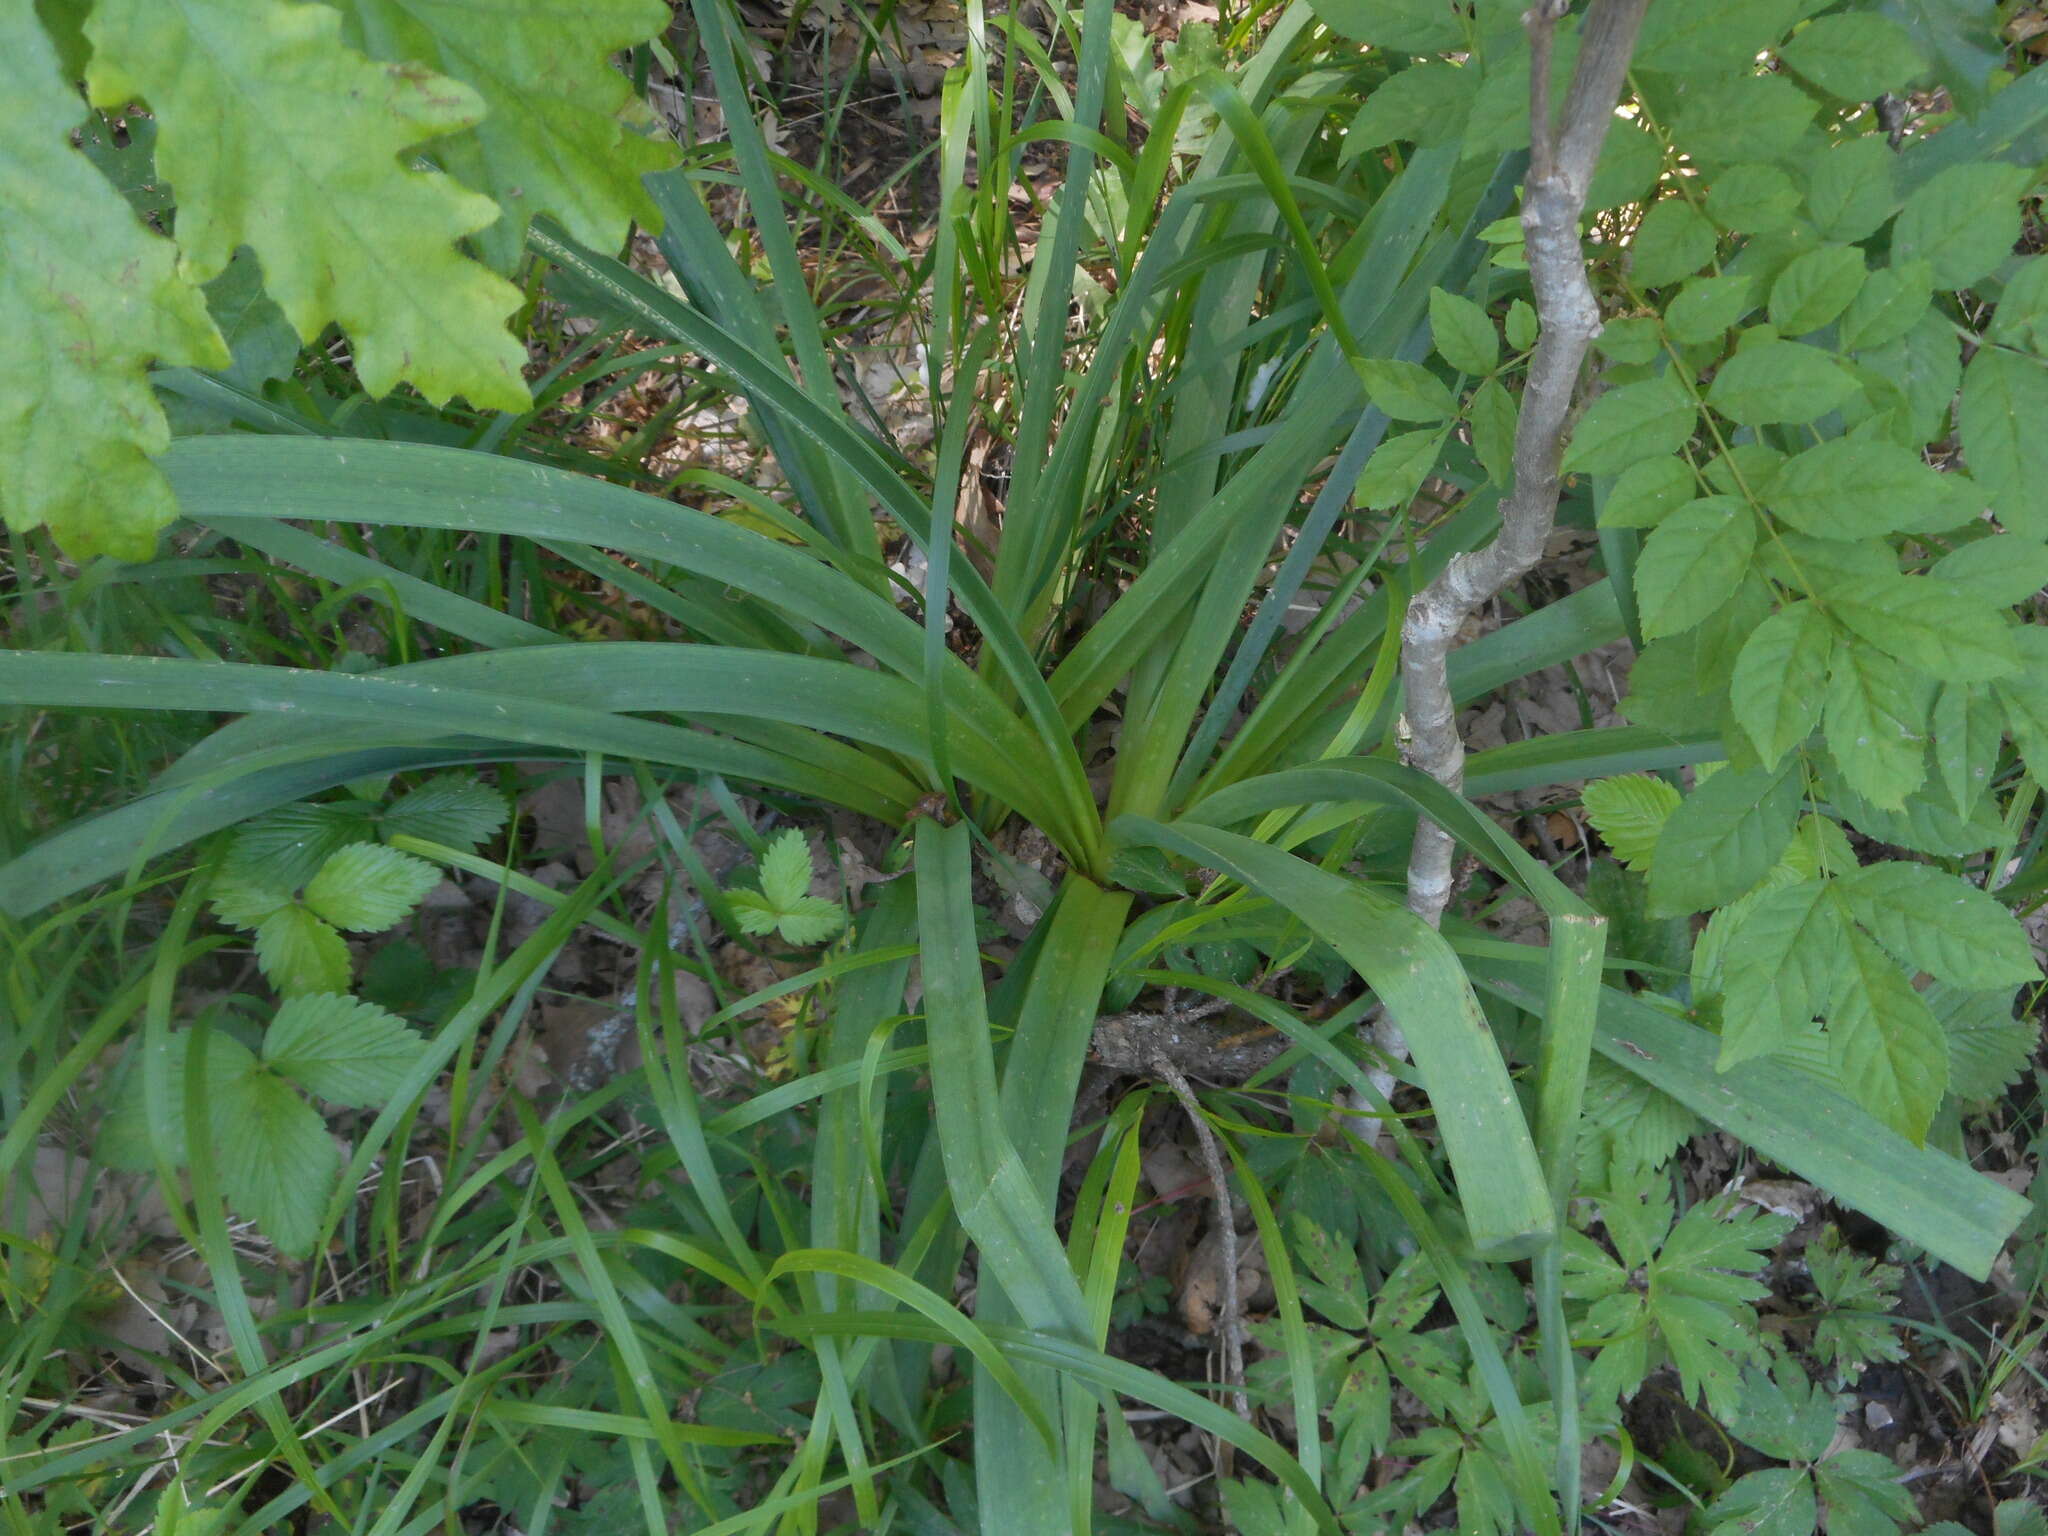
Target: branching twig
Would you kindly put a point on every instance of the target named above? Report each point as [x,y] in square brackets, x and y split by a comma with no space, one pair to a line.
[1233,1307]
[1562,157]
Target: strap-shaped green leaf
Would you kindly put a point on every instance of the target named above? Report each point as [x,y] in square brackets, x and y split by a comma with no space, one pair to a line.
[1925,1196]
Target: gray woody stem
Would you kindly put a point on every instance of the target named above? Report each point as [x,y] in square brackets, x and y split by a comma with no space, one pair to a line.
[1561,163]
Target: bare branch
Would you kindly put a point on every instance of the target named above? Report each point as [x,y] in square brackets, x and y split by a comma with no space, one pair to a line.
[1561,163]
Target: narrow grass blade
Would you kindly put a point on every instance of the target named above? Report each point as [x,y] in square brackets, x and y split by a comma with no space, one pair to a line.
[1578,944]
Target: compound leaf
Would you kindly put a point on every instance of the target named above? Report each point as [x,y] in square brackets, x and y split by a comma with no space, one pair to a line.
[452,809]
[1779,381]
[1781,679]
[1692,561]
[1853,489]
[300,952]
[344,1050]
[1723,839]
[1886,1045]
[1941,924]
[366,887]
[277,1162]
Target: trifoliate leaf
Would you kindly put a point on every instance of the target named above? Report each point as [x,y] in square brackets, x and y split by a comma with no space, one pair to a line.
[243,902]
[279,136]
[1815,287]
[452,810]
[346,1051]
[751,910]
[1942,924]
[286,847]
[1707,306]
[1863,1494]
[1849,190]
[786,869]
[1629,811]
[366,887]
[1723,838]
[1781,680]
[1876,725]
[1964,221]
[1854,57]
[553,138]
[1852,489]
[810,920]
[1884,1041]
[89,298]
[1777,969]
[1397,468]
[1406,391]
[123,1137]
[1628,1122]
[1673,241]
[277,1162]
[1462,333]
[1650,419]
[1779,381]
[299,952]
[1784,1416]
[1856,1295]
[1691,563]
[1987,1047]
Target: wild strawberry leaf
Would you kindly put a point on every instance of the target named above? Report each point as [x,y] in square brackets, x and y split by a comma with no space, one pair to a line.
[366,887]
[343,1050]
